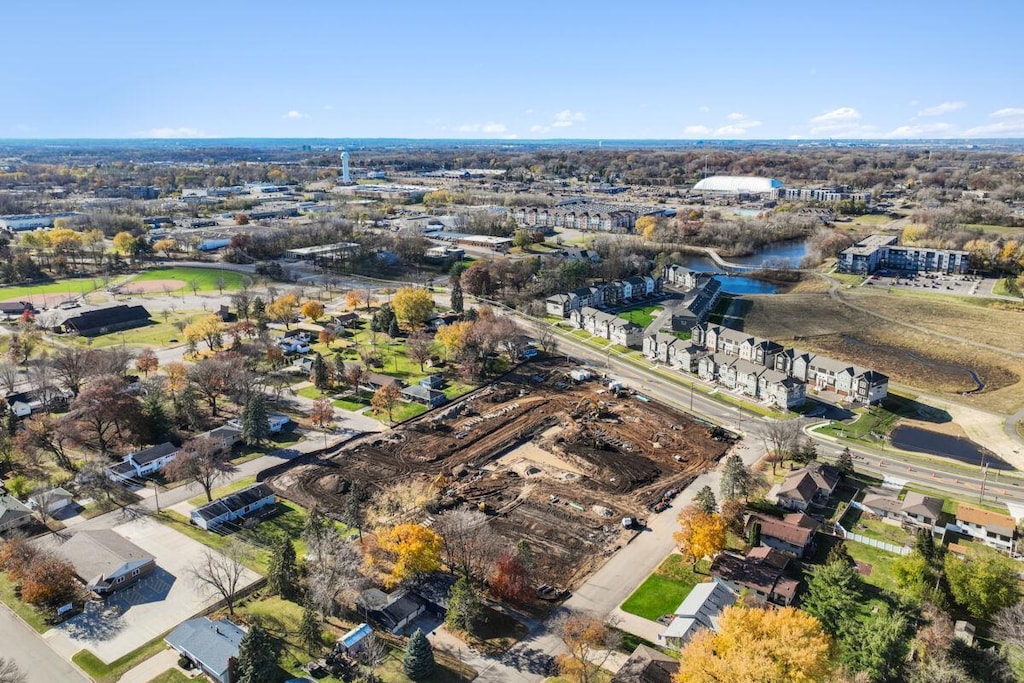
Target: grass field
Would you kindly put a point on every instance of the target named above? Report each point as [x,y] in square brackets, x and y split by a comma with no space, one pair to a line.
[663,590]
[207,278]
[108,673]
[870,219]
[1001,230]
[74,286]
[27,612]
[642,316]
[907,356]
[171,676]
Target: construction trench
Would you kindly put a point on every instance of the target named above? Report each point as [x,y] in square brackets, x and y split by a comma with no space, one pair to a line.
[551,461]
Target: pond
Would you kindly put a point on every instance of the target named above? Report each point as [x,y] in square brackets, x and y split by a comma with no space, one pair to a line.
[793,251]
[946,445]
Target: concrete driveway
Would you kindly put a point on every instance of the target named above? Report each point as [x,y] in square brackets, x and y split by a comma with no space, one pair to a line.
[113,627]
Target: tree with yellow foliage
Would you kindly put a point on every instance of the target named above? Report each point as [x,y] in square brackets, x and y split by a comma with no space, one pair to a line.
[352,299]
[125,243]
[453,337]
[207,328]
[413,305]
[314,310]
[914,233]
[646,225]
[282,309]
[701,534]
[411,549]
[758,646]
[163,246]
[385,398]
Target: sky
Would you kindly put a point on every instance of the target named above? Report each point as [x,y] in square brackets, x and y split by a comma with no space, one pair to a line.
[526,69]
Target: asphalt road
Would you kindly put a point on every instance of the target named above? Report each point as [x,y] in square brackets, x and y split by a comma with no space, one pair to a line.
[30,652]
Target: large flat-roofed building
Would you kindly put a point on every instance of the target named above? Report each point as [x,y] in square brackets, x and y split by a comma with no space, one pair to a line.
[32,221]
[820,194]
[324,252]
[737,185]
[579,214]
[882,251]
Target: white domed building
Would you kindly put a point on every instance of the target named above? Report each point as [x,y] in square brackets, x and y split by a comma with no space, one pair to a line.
[737,185]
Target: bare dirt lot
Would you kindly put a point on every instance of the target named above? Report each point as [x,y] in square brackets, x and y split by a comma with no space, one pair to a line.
[554,463]
[152,286]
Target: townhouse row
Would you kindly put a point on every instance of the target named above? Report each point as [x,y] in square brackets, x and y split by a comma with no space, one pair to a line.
[763,369]
[613,293]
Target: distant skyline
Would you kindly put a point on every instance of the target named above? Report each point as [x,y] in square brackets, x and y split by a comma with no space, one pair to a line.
[526,70]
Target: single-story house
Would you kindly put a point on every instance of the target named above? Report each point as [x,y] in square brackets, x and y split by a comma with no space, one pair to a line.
[700,609]
[211,645]
[143,463]
[921,510]
[810,485]
[233,506]
[354,642]
[435,381]
[421,394]
[276,422]
[882,503]
[51,500]
[759,573]
[346,320]
[15,309]
[13,513]
[990,528]
[106,561]
[225,436]
[647,665]
[395,611]
[24,403]
[793,534]
[105,320]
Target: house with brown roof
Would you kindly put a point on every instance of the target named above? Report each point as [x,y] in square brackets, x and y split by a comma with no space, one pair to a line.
[810,485]
[991,528]
[793,534]
[758,573]
[921,510]
[647,665]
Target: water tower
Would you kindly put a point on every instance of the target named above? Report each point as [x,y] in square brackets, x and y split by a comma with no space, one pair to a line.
[344,169]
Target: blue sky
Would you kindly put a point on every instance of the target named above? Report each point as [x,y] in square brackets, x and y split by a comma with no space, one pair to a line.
[526,69]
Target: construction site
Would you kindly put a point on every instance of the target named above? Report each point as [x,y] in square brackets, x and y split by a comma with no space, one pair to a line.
[553,460]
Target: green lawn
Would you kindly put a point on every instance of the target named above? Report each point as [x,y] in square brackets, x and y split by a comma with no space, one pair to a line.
[663,590]
[157,333]
[881,564]
[642,316]
[447,670]
[108,673]
[171,676]
[402,411]
[857,522]
[223,490]
[878,419]
[206,278]
[281,619]
[1006,286]
[69,287]
[350,404]
[27,612]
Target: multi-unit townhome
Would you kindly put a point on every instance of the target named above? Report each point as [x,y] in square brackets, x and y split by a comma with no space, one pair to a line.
[613,293]
[607,326]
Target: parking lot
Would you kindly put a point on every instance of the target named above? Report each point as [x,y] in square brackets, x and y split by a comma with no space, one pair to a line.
[130,618]
[936,283]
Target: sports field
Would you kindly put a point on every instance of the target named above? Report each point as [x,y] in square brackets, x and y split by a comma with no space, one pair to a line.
[207,279]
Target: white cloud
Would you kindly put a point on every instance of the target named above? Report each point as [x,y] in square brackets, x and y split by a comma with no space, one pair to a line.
[944,108]
[1013,127]
[736,117]
[537,128]
[840,114]
[528,112]
[489,127]
[704,109]
[926,129]
[170,132]
[738,128]
[293,114]
[566,118]
[1006,113]
[696,130]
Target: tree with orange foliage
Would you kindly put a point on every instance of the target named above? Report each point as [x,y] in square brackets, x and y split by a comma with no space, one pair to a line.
[322,413]
[177,376]
[589,643]
[352,299]
[700,534]
[411,550]
[147,362]
[385,398]
[49,581]
[325,337]
[758,646]
[510,577]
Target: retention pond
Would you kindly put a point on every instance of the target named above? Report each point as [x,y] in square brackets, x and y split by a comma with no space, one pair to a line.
[946,445]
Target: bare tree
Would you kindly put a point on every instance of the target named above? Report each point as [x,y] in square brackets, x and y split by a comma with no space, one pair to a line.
[333,564]
[468,544]
[547,340]
[222,572]
[72,366]
[780,438]
[8,376]
[589,643]
[9,672]
[374,652]
[203,461]
[1008,625]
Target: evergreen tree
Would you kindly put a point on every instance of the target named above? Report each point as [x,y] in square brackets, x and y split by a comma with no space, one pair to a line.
[456,298]
[339,368]
[282,572]
[394,331]
[353,512]
[705,500]
[924,543]
[419,658]
[464,606]
[879,646]
[259,309]
[158,422]
[320,376]
[839,553]
[255,423]
[736,478]
[257,657]
[310,633]
[833,593]
[845,461]
[186,408]
[317,526]
[806,453]
[524,553]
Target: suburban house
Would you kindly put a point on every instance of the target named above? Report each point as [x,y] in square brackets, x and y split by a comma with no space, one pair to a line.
[224,437]
[793,534]
[647,665]
[760,573]
[990,528]
[435,381]
[233,506]
[395,611]
[354,642]
[106,561]
[104,320]
[144,462]
[13,513]
[700,609]
[276,422]
[51,500]
[421,394]
[916,509]
[211,645]
[810,485]
[24,403]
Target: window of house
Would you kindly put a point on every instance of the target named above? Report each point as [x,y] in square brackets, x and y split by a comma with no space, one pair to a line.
[119,579]
[135,572]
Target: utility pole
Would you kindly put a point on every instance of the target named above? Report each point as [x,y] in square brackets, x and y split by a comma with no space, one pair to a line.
[156,494]
[984,480]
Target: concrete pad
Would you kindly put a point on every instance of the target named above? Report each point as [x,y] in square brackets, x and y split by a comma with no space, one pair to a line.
[153,667]
[132,617]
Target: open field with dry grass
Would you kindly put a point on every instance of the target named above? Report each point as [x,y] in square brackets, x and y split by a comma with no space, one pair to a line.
[916,359]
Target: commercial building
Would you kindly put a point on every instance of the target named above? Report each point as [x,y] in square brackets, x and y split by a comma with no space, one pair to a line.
[820,194]
[738,185]
[882,251]
[33,221]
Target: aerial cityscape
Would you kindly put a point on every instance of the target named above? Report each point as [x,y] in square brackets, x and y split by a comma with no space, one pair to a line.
[565,344]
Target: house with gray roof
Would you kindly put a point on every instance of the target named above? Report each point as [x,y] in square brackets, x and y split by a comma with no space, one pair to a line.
[700,609]
[51,500]
[233,507]
[211,645]
[424,395]
[143,463]
[810,485]
[13,513]
[647,665]
[106,561]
